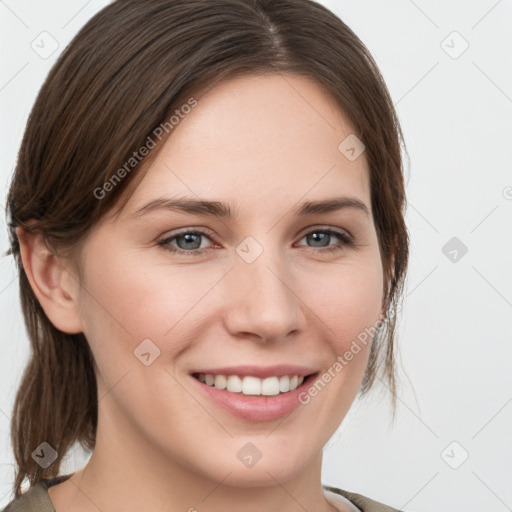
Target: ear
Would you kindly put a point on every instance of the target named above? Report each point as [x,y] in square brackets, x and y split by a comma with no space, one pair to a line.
[54,286]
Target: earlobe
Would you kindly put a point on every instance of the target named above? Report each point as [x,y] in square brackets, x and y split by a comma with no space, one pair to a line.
[51,282]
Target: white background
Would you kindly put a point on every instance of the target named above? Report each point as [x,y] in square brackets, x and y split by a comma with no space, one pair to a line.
[456,328]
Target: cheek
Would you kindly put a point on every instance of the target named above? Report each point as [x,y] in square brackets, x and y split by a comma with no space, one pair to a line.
[128,300]
[348,300]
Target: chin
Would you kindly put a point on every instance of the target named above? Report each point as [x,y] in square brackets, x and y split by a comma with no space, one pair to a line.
[249,466]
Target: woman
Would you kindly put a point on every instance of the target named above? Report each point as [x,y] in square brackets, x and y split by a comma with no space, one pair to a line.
[207,377]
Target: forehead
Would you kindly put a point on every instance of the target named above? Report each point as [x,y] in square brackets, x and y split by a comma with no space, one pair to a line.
[256,140]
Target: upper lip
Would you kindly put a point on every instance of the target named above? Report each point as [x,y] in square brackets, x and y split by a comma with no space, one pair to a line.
[259,371]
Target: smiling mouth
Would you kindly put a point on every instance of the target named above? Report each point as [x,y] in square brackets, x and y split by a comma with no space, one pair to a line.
[254,386]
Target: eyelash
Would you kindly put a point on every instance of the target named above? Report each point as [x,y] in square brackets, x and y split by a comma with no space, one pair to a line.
[346,241]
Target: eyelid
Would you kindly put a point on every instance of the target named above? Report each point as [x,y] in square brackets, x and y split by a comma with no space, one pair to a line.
[325,227]
[189,229]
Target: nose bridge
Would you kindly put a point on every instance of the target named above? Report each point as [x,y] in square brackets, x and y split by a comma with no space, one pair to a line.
[263,300]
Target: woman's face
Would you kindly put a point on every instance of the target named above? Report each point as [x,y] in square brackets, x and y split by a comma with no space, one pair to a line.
[269,290]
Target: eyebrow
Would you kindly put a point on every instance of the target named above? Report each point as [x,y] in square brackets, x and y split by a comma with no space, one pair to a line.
[223,210]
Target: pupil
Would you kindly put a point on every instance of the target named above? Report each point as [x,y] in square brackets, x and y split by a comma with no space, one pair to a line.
[188,238]
[319,237]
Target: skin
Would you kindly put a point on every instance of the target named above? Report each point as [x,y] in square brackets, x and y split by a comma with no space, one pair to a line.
[263,144]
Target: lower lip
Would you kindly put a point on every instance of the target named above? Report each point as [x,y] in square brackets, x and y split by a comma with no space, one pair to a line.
[255,407]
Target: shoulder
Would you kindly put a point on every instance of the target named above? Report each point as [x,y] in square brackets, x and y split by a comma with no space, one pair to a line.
[362,502]
[36,499]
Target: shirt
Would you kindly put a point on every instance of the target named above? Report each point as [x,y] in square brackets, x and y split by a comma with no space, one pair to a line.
[37,499]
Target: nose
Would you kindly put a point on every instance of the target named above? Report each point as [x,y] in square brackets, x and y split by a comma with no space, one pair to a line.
[262,300]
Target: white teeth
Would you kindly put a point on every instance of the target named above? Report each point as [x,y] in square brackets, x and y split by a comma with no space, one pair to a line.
[250,385]
[221,382]
[234,384]
[284,384]
[270,386]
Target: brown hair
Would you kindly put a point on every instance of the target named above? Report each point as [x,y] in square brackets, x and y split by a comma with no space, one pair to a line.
[123,74]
